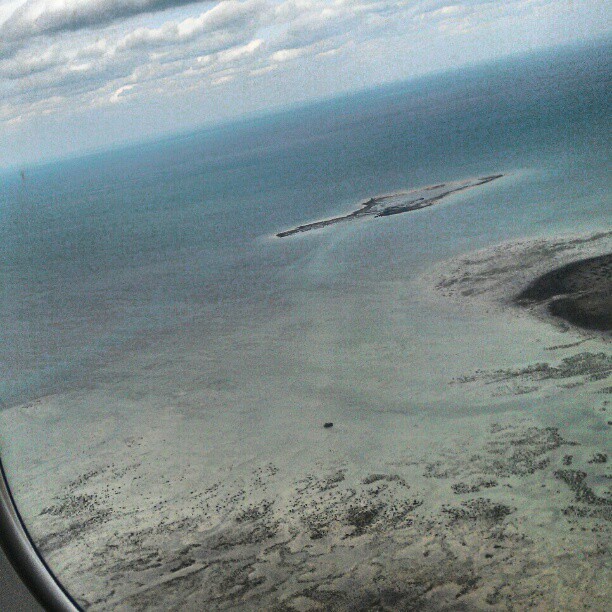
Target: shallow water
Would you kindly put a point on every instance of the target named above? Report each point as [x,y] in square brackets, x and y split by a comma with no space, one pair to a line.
[152,322]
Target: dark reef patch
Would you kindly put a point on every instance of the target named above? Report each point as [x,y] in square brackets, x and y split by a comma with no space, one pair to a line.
[480,509]
[579,293]
[587,365]
[462,488]
[341,539]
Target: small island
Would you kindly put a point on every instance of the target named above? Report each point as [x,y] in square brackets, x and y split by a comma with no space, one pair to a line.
[396,203]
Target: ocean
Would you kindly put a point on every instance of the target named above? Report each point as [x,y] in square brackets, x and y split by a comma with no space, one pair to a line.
[146,295]
[107,247]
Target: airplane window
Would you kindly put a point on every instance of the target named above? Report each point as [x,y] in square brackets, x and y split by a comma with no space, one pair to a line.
[307,305]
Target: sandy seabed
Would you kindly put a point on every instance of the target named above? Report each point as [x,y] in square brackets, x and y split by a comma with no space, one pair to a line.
[149,502]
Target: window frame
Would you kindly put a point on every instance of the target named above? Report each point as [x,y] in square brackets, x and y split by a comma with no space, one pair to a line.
[23,554]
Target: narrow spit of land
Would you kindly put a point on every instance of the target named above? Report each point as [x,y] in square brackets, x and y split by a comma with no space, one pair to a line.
[396,203]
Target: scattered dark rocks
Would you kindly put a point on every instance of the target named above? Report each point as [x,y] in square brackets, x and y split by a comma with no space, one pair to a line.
[480,509]
[589,512]
[576,481]
[372,478]
[523,452]
[333,532]
[361,518]
[254,513]
[599,458]
[331,481]
[467,586]
[439,470]
[461,488]
[594,365]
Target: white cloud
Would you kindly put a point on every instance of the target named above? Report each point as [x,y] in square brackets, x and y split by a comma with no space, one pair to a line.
[118,94]
[80,62]
[68,55]
[36,17]
[261,71]
[223,79]
[222,21]
[285,55]
[237,53]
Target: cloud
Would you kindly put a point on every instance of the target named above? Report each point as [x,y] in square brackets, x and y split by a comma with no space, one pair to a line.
[285,55]
[87,62]
[36,17]
[222,20]
[236,53]
[80,62]
[118,94]
[28,65]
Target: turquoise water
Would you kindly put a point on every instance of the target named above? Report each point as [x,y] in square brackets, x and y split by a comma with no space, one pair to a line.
[100,252]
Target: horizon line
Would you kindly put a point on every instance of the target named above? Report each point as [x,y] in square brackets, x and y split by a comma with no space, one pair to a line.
[280,110]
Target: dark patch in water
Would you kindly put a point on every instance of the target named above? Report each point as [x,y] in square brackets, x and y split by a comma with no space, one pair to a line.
[579,292]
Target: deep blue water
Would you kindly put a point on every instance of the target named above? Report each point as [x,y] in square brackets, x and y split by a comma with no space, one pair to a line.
[100,250]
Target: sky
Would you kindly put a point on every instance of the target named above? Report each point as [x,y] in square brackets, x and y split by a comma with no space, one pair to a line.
[81,75]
